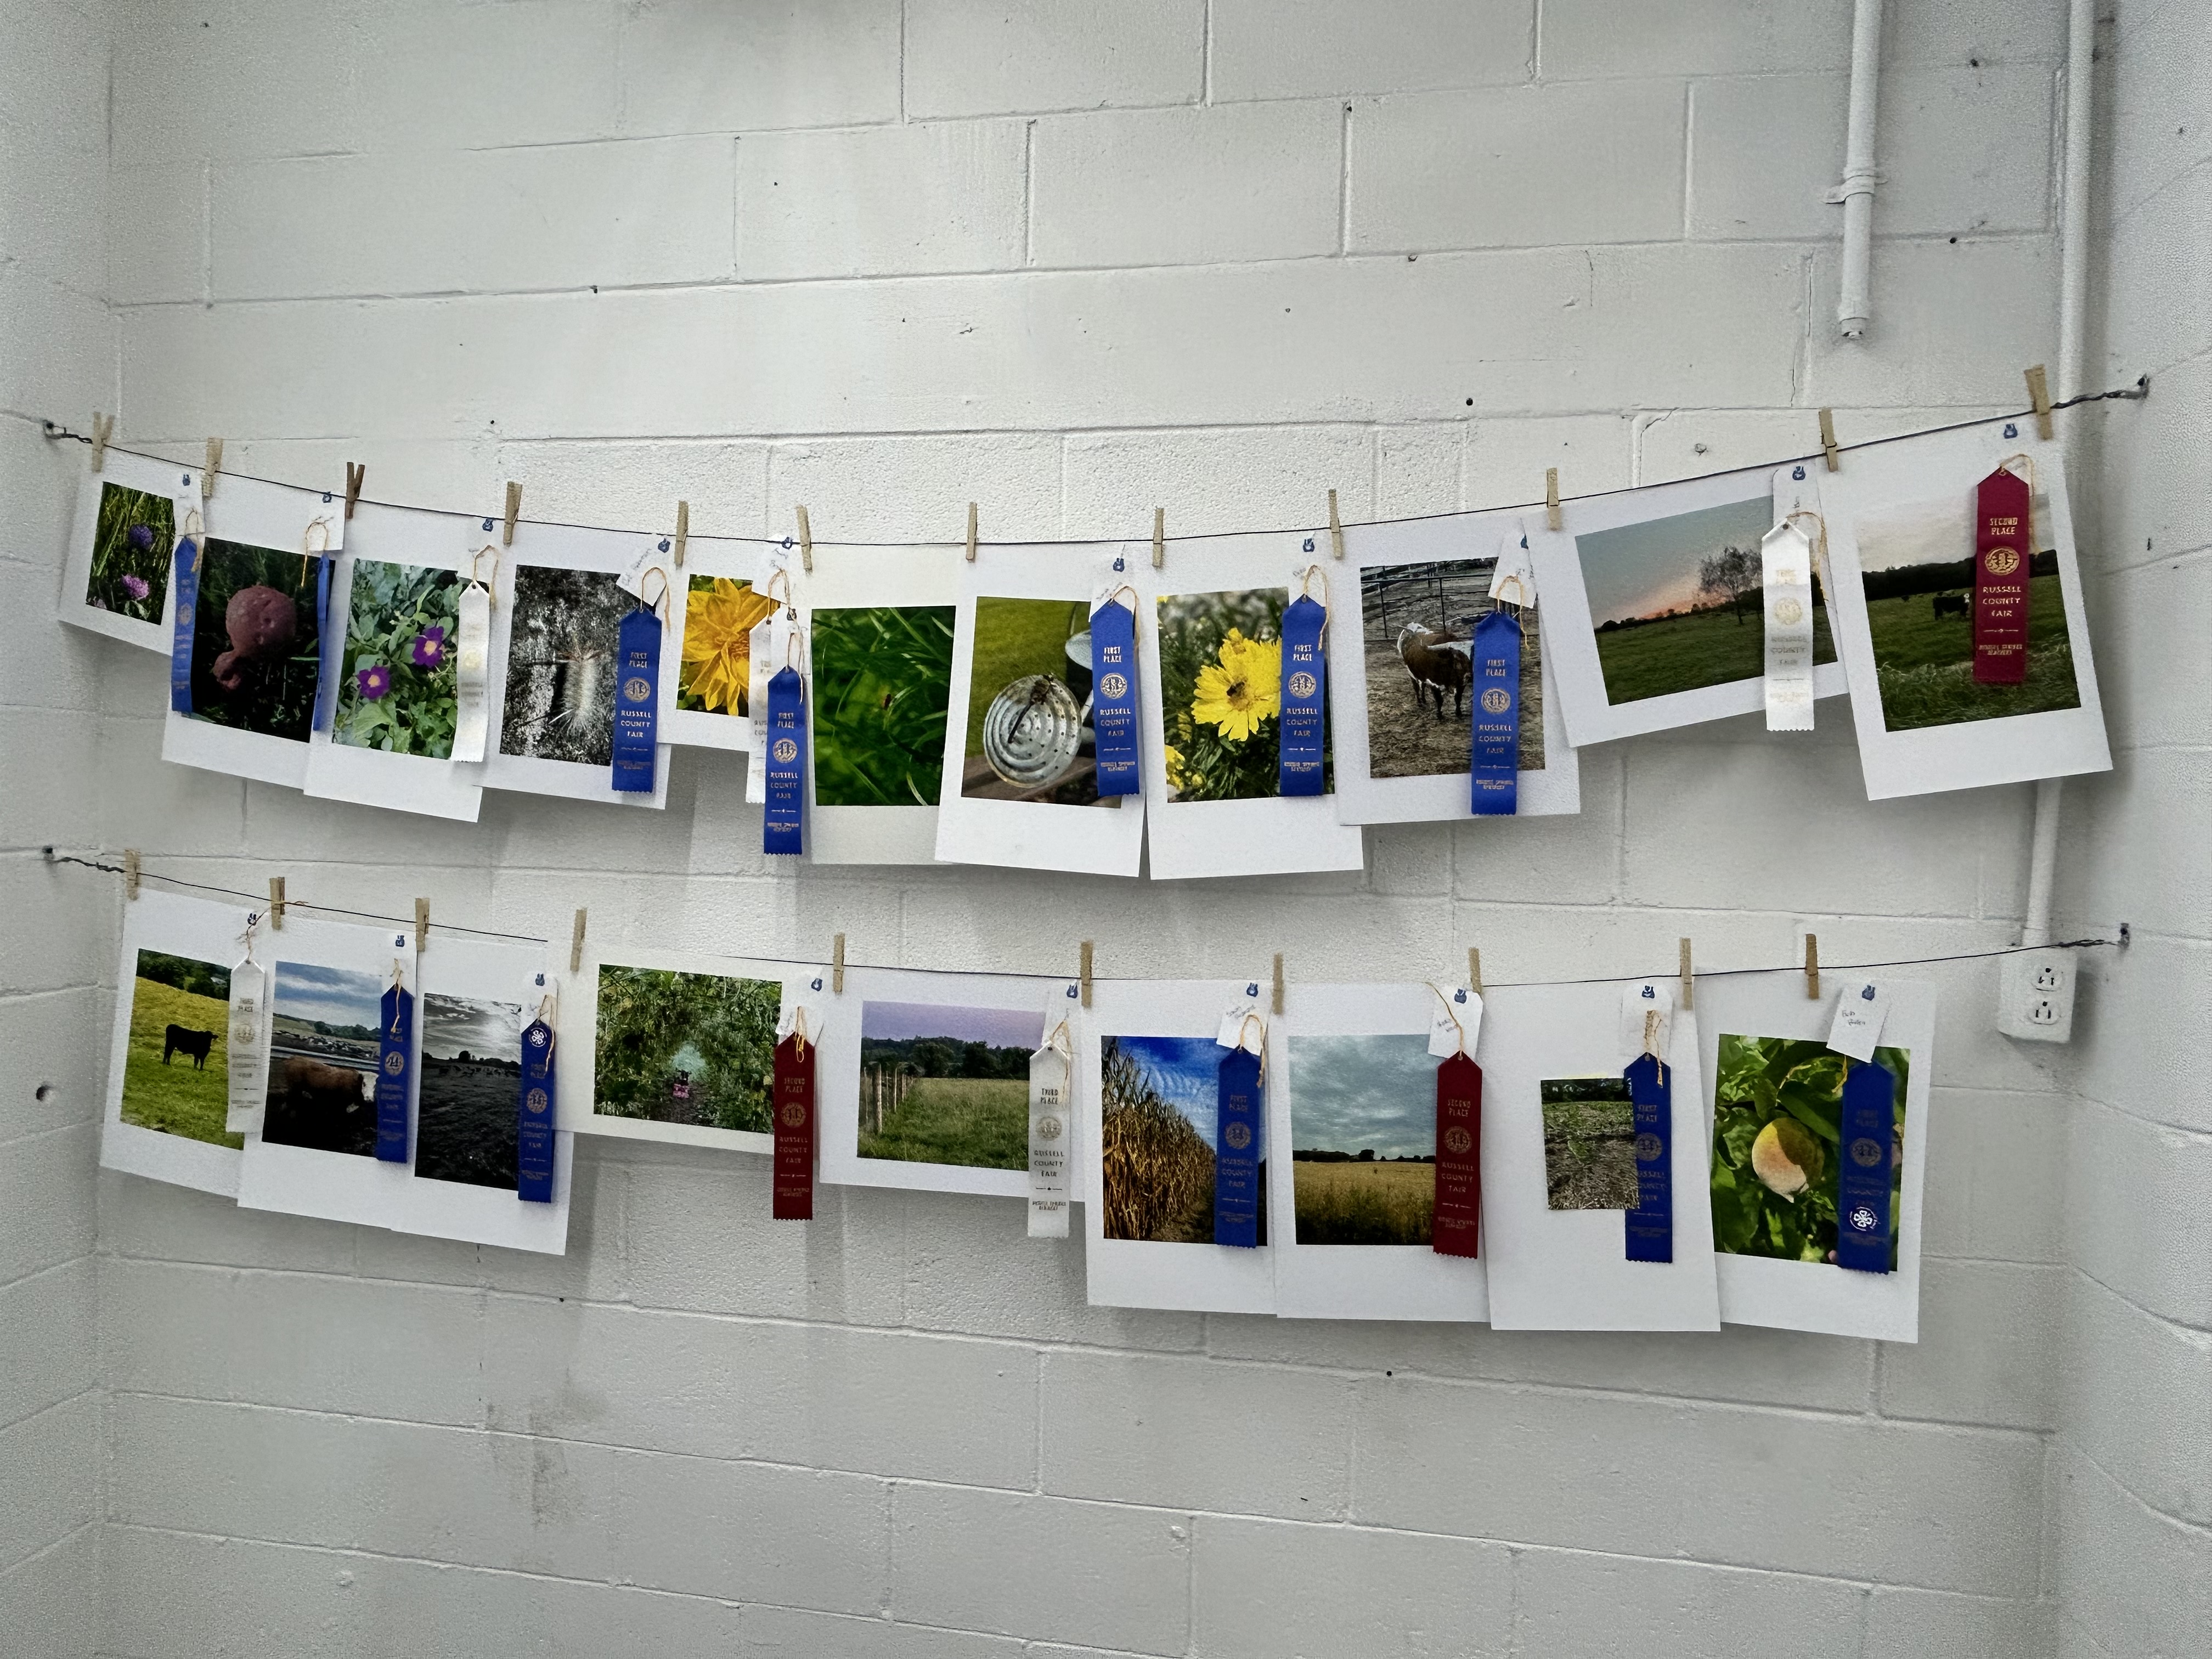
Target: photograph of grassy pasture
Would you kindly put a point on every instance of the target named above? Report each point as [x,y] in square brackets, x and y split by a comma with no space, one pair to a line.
[882,689]
[1916,567]
[176,1072]
[257,652]
[1159,1100]
[1777,1111]
[1677,602]
[130,545]
[468,1107]
[324,1045]
[1028,653]
[1419,622]
[696,1048]
[1364,1134]
[947,1085]
[1589,1143]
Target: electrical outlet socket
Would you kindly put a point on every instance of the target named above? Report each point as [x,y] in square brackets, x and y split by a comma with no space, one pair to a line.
[2035,1003]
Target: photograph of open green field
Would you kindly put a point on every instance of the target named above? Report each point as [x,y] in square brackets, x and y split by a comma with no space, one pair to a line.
[696,1048]
[176,1072]
[1589,1143]
[1677,604]
[947,1085]
[1916,568]
[1419,620]
[130,545]
[1363,1132]
[1159,1099]
[1028,692]
[882,689]
[467,1116]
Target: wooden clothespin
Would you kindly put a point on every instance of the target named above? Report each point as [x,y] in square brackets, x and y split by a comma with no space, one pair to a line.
[1828,437]
[1552,497]
[1335,527]
[805,543]
[1812,967]
[1085,973]
[276,904]
[1688,991]
[513,512]
[1159,536]
[971,532]
[1474,970]
[213,466]
[2039,397]
[130,873]
[837,963]
[356,471]
[103,428]
[1276,1002]
[683,530]
[576,945]
[422,923]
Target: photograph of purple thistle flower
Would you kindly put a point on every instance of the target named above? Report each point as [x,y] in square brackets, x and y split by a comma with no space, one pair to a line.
[430,648]
[374,681]
[141,537]
[137,587]
[130,564]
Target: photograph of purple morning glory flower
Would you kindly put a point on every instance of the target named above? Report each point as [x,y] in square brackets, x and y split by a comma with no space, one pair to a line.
[400,697]
[430,648]
[374,681]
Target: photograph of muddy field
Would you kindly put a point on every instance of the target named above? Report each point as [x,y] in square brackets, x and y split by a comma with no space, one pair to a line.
[1589,1143]
[1419,623]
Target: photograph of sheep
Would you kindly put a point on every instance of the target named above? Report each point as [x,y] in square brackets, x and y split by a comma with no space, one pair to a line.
[1777,1111]
[1676,602]
[257,652]
[396,691]
[1589,1143]
[881,687]
[176,1072]
[468,1089]
[560,699]
[323,1051]
[1221,693]
[1364,1139]
[690,1049]
[1418,626]
[131,541]
[943,1085]
[1029,736]
[1159,1105]
[1917,570]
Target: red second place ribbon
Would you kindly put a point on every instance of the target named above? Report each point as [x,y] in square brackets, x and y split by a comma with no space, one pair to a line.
[1458,1227]
[2002,549]
[793,1101]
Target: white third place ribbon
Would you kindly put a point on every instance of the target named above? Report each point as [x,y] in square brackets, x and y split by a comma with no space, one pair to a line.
[1052,1069]
[1785,561]
[472,672]
[246,1040]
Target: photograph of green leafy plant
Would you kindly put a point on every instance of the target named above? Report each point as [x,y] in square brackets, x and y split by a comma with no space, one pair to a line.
[697,1049]
[256,649]
[883,683]
[131,547]
[395,689]
[1221,693]
[1778,1104]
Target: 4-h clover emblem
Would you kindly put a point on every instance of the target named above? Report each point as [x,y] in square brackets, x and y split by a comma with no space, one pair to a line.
[1302,684]
[1864,1219]
[538,1037]
[1496,701]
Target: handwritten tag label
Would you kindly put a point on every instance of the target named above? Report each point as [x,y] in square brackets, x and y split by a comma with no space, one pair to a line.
[1459,1012]
[1513,579]
[1860,1010]
[1234,1033]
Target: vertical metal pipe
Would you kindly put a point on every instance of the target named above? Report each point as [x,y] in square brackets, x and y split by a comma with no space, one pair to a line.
[1855,301]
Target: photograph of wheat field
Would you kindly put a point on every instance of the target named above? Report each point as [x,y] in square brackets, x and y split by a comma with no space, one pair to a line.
[947,1085]
[1157,1104]
[1364,1139]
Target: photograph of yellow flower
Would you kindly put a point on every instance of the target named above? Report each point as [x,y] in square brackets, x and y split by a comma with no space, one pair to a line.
[718,617]
[1221,670]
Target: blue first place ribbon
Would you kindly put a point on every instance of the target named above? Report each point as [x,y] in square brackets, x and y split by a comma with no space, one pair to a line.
[637,700]
[1864,1168]
[1237,1151]
[185,574]
[537,1116]
[785,760]
[1114,699]
[1303,732]
[1494,762]
[1650,1224]
[395,1054]
[330,654]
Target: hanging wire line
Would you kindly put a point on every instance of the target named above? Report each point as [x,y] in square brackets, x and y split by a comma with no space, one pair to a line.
[2141,389]
[290,903]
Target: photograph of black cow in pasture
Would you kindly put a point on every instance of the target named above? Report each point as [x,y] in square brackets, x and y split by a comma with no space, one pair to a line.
[1420,627]
[193,1045]
[176,1072]
[322,1060]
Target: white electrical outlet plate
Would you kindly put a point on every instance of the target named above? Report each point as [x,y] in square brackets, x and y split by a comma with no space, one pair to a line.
[2035,1003]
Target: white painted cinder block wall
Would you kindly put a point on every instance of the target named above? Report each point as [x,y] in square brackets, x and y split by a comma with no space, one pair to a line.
[1073,261]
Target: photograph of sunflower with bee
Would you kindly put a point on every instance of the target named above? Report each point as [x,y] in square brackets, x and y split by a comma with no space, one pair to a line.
[1221,693]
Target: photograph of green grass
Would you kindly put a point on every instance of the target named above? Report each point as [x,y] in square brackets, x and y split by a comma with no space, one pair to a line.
[130,545]
[1158,1103]
[1916,568]
[1028,689]
[695,1049]
[1778,1110]
[1364,1119]
[881,687]
[176,1072]
[1589,1143]
[947,1085]
[257,652]
[1676,602]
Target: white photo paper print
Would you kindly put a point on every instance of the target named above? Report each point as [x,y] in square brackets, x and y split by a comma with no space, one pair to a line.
[1403,607]
[473,999]
[1652,610]
[394,611]
[1559,1260]
[1901,522]
[923,1078]
[878,626]
[557,610]
[1355,1105]
[1020,787]
[316,1152]
[677,1046]
[719,585]
[168,1067]
[1148,1070]
[1776,1092]
[116,580]
[1209,661]
[261,649]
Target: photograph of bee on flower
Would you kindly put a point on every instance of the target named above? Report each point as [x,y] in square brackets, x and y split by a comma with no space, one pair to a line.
[1221,693]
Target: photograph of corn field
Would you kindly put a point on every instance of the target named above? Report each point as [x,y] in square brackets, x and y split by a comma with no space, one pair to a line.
[720,616]
[1158,1103]
[1364,1139]
[1589,1143]
[881,687]
[560,698]
[696,1048]
[1221,693]
[947,1085]
[1778,1113]
[130,543]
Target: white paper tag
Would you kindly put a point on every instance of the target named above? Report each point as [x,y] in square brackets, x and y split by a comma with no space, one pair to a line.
[653,552]
[1514,579]
[472,673]
[1052,1118]
[1234,1029]
[1115,578]
[1861,1008]
[786,1017]
[1458,1023]
[1785,566]
[247,1041]
[1647,1017]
